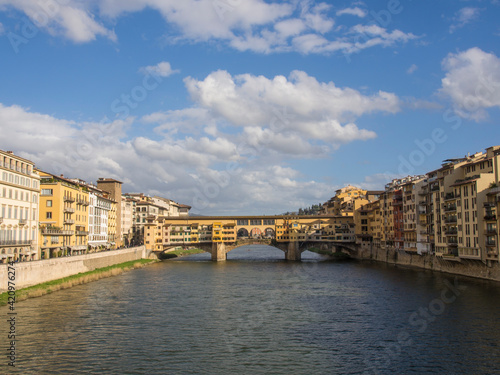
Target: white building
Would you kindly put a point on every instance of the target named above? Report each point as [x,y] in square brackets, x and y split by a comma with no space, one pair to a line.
[19,197]
[99,209]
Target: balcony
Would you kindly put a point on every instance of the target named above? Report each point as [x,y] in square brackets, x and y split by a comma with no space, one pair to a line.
[23,221]
[491,231]
[69,198]
[69,221]
[56,232]
[69,210]
[450,208]
[489,204]
[435,188]
[490,216]
[451,196]
[452,241]
[16,242]
[81,233]
[451,232]
[423,193]
[450,220]
[83,202]
[491,243]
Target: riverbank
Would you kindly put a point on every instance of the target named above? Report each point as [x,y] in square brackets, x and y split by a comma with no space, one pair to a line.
[455,266]
[78,279]
[180,253]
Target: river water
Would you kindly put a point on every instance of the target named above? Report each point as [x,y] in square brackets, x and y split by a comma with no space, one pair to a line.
[258,314]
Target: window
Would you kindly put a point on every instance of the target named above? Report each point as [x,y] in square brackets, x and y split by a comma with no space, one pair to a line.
[47,191]
[49,215]
[49,203]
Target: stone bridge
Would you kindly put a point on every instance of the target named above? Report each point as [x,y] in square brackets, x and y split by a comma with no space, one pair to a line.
[293,250]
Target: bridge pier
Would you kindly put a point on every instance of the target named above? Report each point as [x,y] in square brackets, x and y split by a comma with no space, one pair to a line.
[219,252]
[293,252]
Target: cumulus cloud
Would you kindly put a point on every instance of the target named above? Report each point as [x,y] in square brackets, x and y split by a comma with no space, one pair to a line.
[210,173]
[247,25]
[162,69]
[298,107]
[472,82]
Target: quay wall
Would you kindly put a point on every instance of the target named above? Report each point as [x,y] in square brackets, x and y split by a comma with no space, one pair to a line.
[463,267]
[40,271]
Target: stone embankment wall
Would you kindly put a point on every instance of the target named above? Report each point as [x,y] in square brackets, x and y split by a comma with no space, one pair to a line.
[464,267]
[40,271]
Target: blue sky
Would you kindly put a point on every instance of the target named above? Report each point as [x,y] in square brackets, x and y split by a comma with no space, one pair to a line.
[247,106]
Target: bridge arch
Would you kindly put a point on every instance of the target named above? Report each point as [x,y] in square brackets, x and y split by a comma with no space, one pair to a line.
[256,233]
[243,232]
[269,233]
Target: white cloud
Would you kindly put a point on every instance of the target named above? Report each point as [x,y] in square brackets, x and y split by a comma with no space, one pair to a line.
[412,69]
[356,11]
[247,25]
[207,173]
[162,69]
[2,29]
[463,17]
[67,18]
[472,82]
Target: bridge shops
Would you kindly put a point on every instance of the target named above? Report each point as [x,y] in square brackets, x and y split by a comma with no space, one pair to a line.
[164,233]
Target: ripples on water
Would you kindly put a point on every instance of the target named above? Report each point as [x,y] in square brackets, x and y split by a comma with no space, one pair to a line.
[257,314]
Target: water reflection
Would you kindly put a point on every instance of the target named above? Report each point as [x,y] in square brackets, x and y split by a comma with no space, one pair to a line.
[259,314]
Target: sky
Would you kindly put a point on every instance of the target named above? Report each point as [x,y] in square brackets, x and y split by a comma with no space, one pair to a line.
[247,106]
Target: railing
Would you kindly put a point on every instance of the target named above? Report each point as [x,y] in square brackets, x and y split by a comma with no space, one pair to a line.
[83,202]
[451,232]
[68,198]
[490,217]
[489,204]
[69,210]
[450,208]
[69,221]
[450,220]
[82,233]
[57,232]
[16,242]
[491,231]
[451,196]
[491,243]
[23,221]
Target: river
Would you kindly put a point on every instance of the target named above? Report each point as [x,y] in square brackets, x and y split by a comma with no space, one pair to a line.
[258,314]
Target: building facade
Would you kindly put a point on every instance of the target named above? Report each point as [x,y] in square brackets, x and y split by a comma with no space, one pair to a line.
[19,199]
[63,216]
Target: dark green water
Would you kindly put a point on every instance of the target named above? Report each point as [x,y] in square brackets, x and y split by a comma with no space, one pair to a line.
[257,314]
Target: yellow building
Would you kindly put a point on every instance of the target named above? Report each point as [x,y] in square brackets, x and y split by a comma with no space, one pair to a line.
[63,216]
[342,204]
[113,235]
